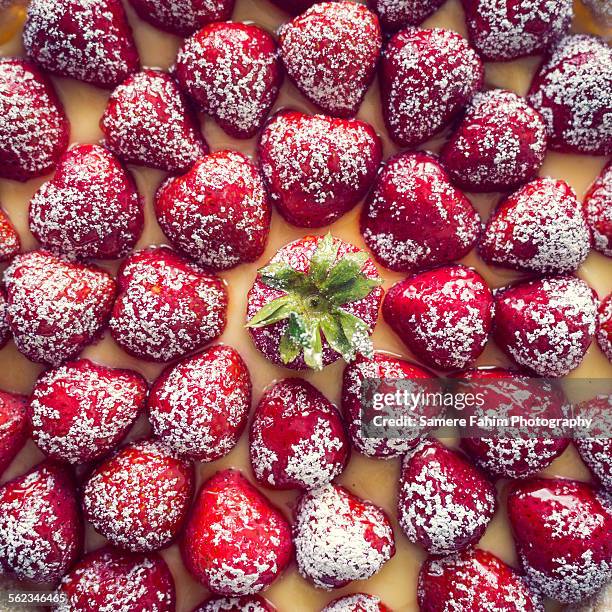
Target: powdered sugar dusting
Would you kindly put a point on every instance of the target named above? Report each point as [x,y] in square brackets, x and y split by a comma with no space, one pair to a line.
[598,211]
[397,14]
[10,244]
[604,331]
[359,602]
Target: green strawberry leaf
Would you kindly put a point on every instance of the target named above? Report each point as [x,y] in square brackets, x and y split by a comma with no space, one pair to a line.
[323,258]
[354,290]
[313,349]
[289,349]
[280,275]
[335,336]
[357,332]
[276,310]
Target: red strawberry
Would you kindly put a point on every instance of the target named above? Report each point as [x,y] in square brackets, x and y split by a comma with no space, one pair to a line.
[507,29]
[426,78]
[236,542]
[5,330]
[55,308]
[571,92]
[199,407]
[311,286]
[539,228]
[604,330]
[399,14]
[40,524]
[444,315]
[33,126]
[109,579]
[297,439]
[218,212]
[356,602]
[415,218]
[317,168]
[339,537]
[562,532]
[232,72]
[546,325]
[138,499]
[499,144]
[148,121]
[473,580]
[10,243]
[88,40]
[355,384]
[330,52]
[598,210]
[14,428]
[247,603]
[81,410]
[183,17]
[444,504]
[90,208]
[166,307]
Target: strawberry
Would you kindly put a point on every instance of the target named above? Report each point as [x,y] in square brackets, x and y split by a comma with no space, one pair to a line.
[10,243]
[473,580]
[601,10]
[34,128]
[546,325]
[5,330]
[41,530]
[571,92]
[339,537]
[445,503]
[507,29]
[297,439]
[166,307]
[14,428]
[312,285]
[110,579]
[138,498]
[330,52]
[81,410]
[562,532]
[199,406]
[218,212]
[444,315]
[356,602]
[598,211]
[55,308]
[317,168]
[399,14]
[541,227]
[247,603]
[604,328]
[236,542]
[183,17]
[426,78]
[149,122]
[90,208]
[232,71]
[415,218]
[499,144]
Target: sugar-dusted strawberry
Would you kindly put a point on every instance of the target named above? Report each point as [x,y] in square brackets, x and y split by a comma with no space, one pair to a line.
[445,503]
[10,243]
[297,439]
[218,212]
[236,542]
[41,530]
[232,71]
[598,210]
[604,327]
[602,11]
[90,208]
[330,52]
[499,144]
[356,602]
[317,300]
[571,90]
[199,406]
[55,308]
[562,532]
[506,29]
[546,325]
[88,40]
[426,78]
[473,580]
[110,579]
[167,306]
[444,315]
[246,603]
[339,537]
[14,427]
[183,17]
[414,217]
[399,14]
[81,410]
[148,121]
[317,168]
[5,330]
[541,227]
[34,128]
[138,498]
